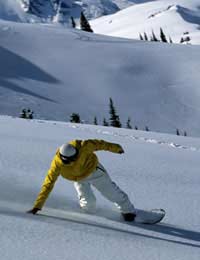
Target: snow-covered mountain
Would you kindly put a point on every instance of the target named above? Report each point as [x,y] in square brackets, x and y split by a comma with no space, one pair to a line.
[11,10]
[155,171]
[178,19]
[64,71]
[46,10]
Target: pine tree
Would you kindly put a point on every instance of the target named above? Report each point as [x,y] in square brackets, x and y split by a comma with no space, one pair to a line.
[73,22]
[85,26]
[26,113]
[170,40]
[141,38]
[128,123]
[145,37]
[95,121]
[177,132]
[154,38]
[29,114]
[23,113]
[105,123]
[114,118]
[162,36]
[75,118]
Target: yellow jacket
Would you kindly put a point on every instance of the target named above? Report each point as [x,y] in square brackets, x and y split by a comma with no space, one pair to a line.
[85,164]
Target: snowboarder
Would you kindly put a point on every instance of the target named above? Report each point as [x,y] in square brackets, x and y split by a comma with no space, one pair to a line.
[76,161]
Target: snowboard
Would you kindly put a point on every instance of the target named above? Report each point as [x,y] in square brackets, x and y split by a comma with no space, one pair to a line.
[150,217]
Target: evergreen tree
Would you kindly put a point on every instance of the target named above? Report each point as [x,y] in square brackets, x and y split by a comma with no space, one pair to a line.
[23,113]
[185,133]
[177,132]
[95,121]
[114,118]
[146,128]
[85,26]
[185,39]
[145,37]
[154,38]
[170,40]
[162,36]
[105,123]
[75,118]
[29,114]
[73,22]
[141,37]
[128,123]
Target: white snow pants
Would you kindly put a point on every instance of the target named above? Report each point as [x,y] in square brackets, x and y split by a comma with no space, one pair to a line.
[103,183]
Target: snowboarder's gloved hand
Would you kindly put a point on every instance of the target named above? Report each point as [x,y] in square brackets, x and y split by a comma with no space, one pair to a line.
[33,211]
[121,150]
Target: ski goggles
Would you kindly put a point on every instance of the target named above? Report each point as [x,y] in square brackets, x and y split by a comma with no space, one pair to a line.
[67,160]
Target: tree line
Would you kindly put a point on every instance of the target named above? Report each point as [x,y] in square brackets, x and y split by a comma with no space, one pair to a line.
[114,119]
[162,37]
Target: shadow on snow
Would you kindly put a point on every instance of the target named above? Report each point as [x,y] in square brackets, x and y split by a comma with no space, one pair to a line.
[17,67]
[116,226]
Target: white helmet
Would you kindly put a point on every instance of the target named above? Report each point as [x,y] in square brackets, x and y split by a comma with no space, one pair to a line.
[67,150]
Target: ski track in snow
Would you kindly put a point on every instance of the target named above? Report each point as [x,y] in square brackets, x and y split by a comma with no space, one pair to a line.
[133,138]
[161,11]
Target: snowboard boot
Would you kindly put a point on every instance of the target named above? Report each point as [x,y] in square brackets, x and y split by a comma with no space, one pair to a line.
[129,216]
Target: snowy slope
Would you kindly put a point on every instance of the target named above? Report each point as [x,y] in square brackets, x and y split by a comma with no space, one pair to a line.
[65,71]
[168,178]
[175,17]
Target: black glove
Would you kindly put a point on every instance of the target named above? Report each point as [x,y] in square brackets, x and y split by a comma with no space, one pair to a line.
[33,211]
[121,150]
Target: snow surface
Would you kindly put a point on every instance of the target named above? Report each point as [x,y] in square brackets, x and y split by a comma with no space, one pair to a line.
[177,18]
[56,72]
[156,171]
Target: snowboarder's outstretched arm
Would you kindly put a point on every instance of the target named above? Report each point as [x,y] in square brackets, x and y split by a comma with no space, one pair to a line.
[47,187]
[98,145]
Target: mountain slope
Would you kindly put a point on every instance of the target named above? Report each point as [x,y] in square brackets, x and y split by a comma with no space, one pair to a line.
[66,71]
[178,19]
